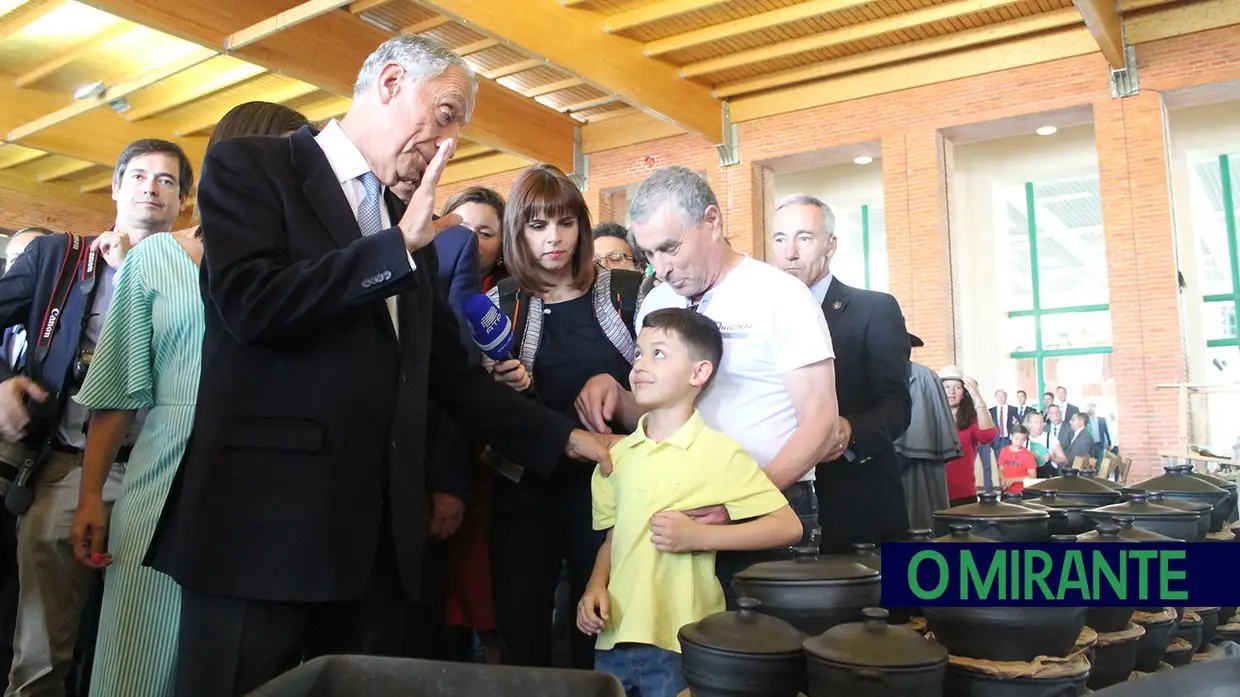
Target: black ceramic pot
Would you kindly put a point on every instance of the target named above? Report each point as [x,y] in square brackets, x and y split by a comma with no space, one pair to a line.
[812,593]
[1064,538]
[1178,659]
[1057,524]
[1113,661]
[868,555]
[1072,485]
[1006,633]
[1209,622]
[1189,629]
[962,532]
[874,659]
[1002,522]
[1073,510]
[742,653]
[1128,530]
[1091,473]
[921,535]
[1225,614]
[1172,522]
[1177,484]
[1106,619]
[1204,510]
[1228,511]
[960,682]
[1153,644]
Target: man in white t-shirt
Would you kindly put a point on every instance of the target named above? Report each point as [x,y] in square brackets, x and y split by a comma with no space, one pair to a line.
[775,390]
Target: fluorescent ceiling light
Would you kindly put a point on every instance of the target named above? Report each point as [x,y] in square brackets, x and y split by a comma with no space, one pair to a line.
[863,160]
[1047,131]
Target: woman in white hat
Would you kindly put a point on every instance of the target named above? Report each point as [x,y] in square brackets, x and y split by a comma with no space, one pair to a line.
[975,427]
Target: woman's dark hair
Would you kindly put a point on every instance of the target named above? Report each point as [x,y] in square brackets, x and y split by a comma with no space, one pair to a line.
[257,119]
[545,192]
[254,119]
[477,194]
[966,413]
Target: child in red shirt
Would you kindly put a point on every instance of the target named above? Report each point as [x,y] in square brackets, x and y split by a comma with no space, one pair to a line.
[1016,461]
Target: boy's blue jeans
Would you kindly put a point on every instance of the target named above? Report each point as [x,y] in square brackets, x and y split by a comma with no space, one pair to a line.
[645,671]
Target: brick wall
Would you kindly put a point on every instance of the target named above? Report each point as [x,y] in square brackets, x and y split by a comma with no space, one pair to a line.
[917,166]
[19,210]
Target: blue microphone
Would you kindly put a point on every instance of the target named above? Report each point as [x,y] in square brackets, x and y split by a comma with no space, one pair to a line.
[489,326]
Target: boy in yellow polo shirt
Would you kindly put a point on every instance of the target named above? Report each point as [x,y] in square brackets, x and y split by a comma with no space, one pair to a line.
[656,571]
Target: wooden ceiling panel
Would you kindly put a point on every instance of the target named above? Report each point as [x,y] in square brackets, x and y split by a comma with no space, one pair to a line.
[494,58]
[397,15]
[575,95]
[533,79]
[603,112]
[200,116]
[454,35]
[608,6]
[700,19]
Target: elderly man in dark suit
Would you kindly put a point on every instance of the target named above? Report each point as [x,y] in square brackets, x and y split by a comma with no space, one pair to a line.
[860,495]
[298,522]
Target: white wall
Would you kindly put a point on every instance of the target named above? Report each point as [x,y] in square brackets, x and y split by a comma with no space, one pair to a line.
[1202,133]
[846,188]
[978,239]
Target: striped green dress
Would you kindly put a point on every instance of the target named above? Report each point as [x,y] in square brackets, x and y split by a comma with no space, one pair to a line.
[148,357]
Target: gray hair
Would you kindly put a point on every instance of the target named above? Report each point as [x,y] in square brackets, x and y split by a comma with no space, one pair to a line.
[685,189]
[825,214]
[422,58]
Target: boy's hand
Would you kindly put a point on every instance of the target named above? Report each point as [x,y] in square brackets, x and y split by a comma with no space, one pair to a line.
[673,531]
[593,610]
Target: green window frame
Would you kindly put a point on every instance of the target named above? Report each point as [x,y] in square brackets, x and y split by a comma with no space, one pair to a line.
[1229,219]
[1037,312]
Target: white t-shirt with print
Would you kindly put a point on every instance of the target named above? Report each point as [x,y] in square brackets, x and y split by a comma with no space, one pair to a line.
[771,325]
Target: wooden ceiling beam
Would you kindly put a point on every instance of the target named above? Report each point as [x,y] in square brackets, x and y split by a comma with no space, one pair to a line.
[590,103]
[482,166]
[81,106]
[656,12]
[360,6]
[64,169]
[336,108]
[904,52]
[283,21]
[627,129]
[758,22]
[426,25]
[97,183]
[230,76]
[329,50]
[279,95]
[613,64]
[16,156]
[469,150]
[552,87]
[856,32]
[38,72]
[1104,23]
[514,68]
[26,14]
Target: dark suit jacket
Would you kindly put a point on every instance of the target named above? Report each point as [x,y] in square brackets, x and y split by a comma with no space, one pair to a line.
[863,500]
[311,416]
[448,451]
[460,276]
[25,292]
[1010,417]
[1068,411]
[1022,412]
[1083,444]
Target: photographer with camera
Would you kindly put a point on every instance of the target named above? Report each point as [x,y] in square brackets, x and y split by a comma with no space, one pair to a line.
[60,290]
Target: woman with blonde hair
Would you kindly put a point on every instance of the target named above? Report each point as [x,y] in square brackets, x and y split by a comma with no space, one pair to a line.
[148,359]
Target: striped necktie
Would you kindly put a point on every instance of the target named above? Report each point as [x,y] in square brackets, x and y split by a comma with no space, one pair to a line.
[369,218]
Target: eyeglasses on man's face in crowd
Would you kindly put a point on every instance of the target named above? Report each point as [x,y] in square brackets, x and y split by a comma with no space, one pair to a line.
[615,260]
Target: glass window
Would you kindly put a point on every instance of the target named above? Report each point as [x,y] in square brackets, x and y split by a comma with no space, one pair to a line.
[1209,211]
[1219,320]
[1020,334]
[1071,252]
[861,248]
[1076,330]
[1089,379]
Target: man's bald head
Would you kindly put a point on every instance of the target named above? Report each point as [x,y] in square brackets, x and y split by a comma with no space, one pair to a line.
[18,243]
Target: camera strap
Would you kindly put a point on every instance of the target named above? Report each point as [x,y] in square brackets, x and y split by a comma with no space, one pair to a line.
[78,264]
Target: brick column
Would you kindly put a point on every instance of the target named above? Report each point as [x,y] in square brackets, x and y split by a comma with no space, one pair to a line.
[917,167]
[1146,324]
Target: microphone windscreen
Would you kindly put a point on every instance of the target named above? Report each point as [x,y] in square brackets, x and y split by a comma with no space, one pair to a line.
[489,326]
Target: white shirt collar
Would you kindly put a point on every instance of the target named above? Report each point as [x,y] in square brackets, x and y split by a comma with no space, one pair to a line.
[820,288]
[344,157]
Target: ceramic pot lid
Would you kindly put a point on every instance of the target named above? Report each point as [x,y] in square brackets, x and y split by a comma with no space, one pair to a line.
[867,554]
[744,631]
[1070,482]
[1053,499]
[1160,499]
[1092,474]
[1053,512]
[874,643]
[1129,531]
[1188,469]
[1106,532]
[1137,506]
[921,535]
[811,568]
[989,507]
[1176,481]
[962,532]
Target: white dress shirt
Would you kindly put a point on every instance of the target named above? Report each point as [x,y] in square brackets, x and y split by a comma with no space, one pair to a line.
[348,163]
[821,288]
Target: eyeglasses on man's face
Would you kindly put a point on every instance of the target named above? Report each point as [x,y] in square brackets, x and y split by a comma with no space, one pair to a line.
[614,259]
